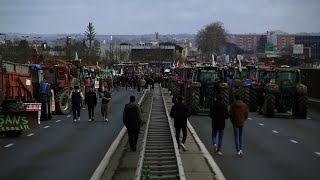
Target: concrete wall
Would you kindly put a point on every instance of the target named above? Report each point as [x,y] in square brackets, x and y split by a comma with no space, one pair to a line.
[310,79]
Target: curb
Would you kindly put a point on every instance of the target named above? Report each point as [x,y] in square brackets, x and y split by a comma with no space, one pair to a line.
[206,154]
[106,159]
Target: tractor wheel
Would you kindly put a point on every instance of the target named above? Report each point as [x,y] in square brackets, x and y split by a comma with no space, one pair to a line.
[225,97]
[302,106]
[14,107]
[195,100]
[253,101]
[234,91]
[244,94]
[187,96]
[63,104]
[174,90]
[269,105]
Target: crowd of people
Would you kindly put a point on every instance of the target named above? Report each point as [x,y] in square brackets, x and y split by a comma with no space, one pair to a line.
[219,113]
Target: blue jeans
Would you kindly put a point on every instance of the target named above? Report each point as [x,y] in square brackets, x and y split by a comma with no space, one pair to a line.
[214,136]
[237,131]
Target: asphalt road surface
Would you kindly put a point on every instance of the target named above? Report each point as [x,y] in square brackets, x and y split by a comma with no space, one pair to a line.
[274,148]
[62,149]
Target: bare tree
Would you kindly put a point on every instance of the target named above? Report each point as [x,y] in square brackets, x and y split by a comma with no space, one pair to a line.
[211,38]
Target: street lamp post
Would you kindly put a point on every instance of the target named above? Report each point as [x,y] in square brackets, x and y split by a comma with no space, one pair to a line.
[5,43]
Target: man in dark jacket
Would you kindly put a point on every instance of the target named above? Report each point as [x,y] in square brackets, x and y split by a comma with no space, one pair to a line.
[132,120]
[238,116]
[180,113]
[218,113]
[76,98]
[91,101]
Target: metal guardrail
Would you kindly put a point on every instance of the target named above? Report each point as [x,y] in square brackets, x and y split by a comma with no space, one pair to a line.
[159,157]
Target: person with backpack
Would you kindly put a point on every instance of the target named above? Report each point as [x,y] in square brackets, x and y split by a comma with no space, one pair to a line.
[105,104]
[91,101]
[219,114]
[76,98]
[238,116]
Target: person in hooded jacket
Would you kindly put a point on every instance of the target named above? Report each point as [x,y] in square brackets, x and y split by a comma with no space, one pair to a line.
[238,116]
[180,113]
[219,114]
[132,120]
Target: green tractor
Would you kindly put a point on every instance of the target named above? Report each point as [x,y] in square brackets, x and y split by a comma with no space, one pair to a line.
[285,92]
[207,82]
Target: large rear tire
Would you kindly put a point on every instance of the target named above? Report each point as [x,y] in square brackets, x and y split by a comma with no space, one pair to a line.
[14,107]
[63,104]
[225,97]
[269,105]
[244,94]
[302,106]
[253,102]
[195,100]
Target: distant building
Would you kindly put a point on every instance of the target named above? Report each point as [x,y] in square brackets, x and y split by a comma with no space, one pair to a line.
[285,41]
[247,42]
[311,46]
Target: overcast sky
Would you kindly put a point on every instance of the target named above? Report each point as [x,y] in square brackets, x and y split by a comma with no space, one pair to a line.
[163,16]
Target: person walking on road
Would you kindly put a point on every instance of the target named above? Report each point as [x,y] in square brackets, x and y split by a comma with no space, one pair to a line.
[219,114]
[180,113]
[91,101]
[238,116]
[105,104]
[76,98]
[132,120]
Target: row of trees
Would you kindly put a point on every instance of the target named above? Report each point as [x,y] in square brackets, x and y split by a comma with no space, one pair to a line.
[20,51]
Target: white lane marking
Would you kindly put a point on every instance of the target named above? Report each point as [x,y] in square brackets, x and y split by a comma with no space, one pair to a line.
[261,124]
[250,118]
[46,127]
[275,131]
[296,142]
[317,153]
[58,120]
[31,134]
[8,145]
[69,116]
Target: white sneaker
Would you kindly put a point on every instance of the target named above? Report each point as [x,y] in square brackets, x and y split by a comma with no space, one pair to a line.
[106,119]
[75,120]
[215,148]
[78,119]
[241,152]
[89,120]
[219,152]
[183,147]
